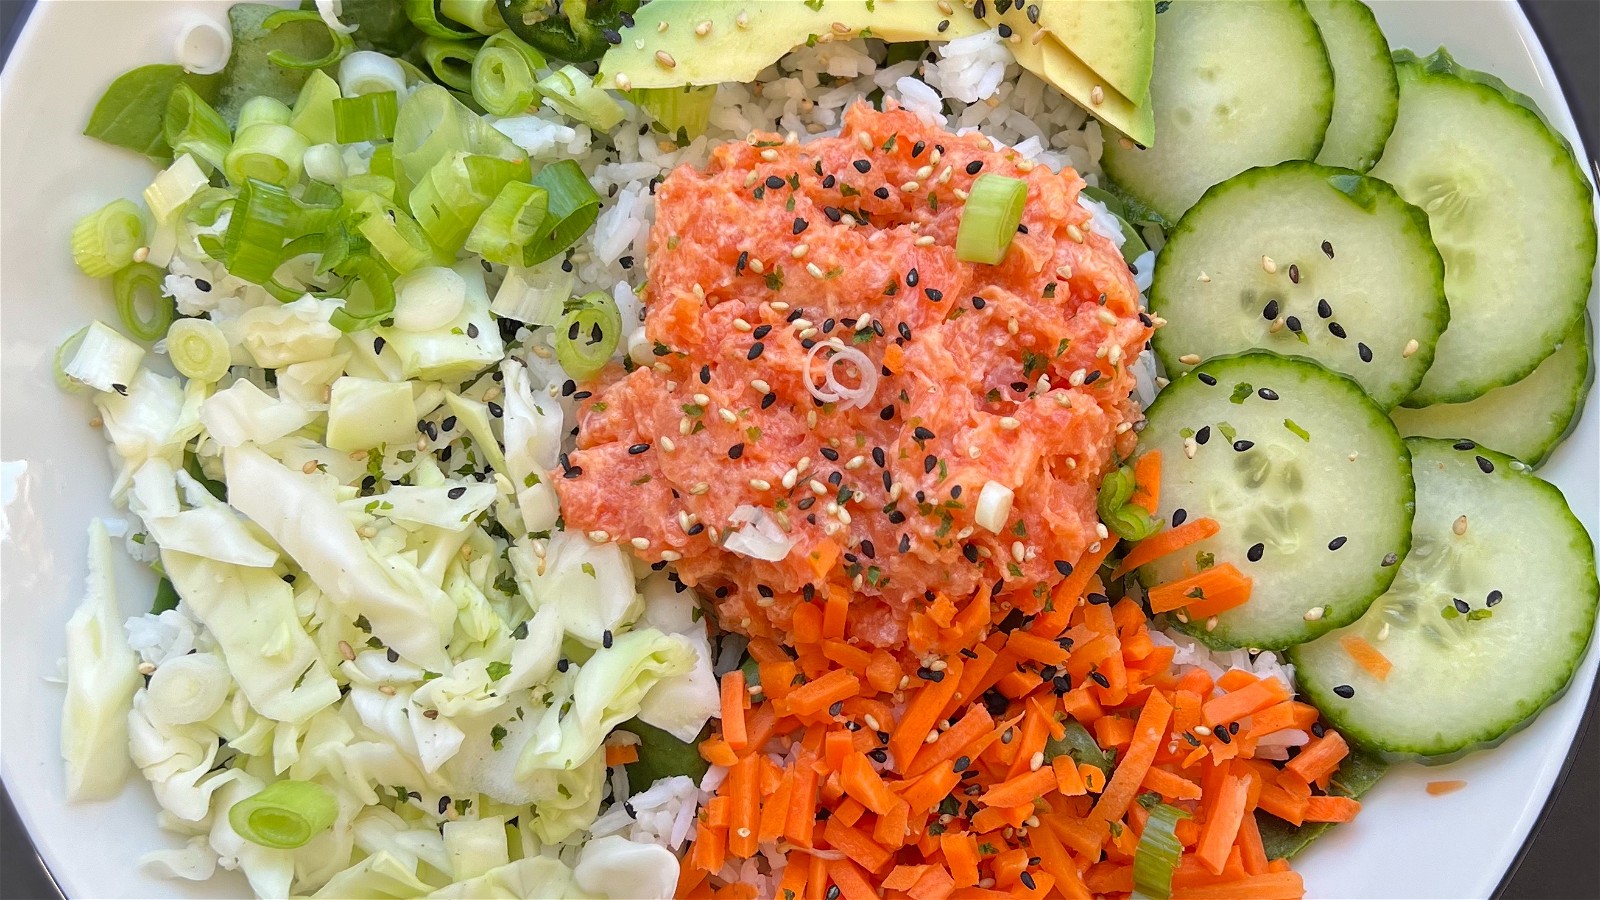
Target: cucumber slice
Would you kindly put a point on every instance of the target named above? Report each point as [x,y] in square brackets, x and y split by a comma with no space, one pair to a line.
[1526,419]
[1235,85]
[1366,95]
[1512,214]
[1312,491]
[1304,259]
[1524,569]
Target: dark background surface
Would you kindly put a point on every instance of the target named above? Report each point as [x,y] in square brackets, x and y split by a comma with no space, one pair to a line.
[1562,862]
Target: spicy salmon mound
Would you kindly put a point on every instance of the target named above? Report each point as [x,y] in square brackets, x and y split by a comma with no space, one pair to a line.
[835,399]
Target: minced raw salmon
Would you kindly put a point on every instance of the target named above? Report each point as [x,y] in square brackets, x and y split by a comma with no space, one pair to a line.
[1016,373]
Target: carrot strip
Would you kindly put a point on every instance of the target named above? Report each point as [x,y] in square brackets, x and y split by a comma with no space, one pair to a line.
[1148,737]
[856,845]
[1053,859]
[816,878]
[775,811]
[1094,778]
[954,741]
[1222,823]
[802,818]
[1235,705]
[1068,781]
[1366,656]
[935,884]
[926,792]
[1066,594]
[852,884]
[1031,646]
[794,880]
[835,611]
[621,754]
[922,712]
[815,696]
[1147,481]
[1440,788]
[972,673]
[1318,758]
[744,791]
[902,877]
[1170,541]
[961,856]
[1216,585]
[1281,717]
[807,627]
[1331,809]
[883,673]
[1173,787]
[734,701]
[862,783]
[1021,789]
[1271,886]
[894,826]
[1251,850]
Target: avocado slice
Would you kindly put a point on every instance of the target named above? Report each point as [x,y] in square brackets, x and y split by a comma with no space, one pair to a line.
[713,41]
[1115,38]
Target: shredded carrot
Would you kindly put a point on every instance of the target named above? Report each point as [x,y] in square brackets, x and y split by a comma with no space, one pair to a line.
[734,701]
[1171,786]
[1219,586]
[1021,789]
[1235,705]
[1148,737]
[1318,758]
[1166,542]
[1322,808]
[1270,886]
[1147,481]
[1366,656]
[816,696]
[621,754]
[922,713]
[1440,788]
[1222,823]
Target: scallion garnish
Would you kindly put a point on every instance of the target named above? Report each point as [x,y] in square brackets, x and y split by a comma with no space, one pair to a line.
[192,126]
[106,239]
[990,218]
[1157,854]
[503,79]
[262,221]
[312,115]
[284,814]
[340,44]
[144,310]
[572,91]
[425,16]
[683,112]
[367,117]
[455,192]
[573,207]
[588,334]
[266,152]
[510,224]
[450,61]
[198,350]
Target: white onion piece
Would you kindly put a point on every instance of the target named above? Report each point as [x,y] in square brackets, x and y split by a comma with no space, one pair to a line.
[848,397]
[329,10]
[370,72]
[187,689]
[994,506]
[325,163]
[427,298]
[203,47]
[758,536]
[811,383]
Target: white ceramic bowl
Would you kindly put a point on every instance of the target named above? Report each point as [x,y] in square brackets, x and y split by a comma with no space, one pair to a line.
[1405,844]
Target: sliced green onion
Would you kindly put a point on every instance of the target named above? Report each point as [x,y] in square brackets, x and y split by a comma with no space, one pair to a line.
[367,117]
[451,61]
[482,16]
[312,115]
[425,15]
[535,296]
[382,162]
[683,112]
[263,219]
[285,814]
[1130,521]
[192,126]
[394,235]
[324,164]
[990,218]
[266,152]
[145,312]
[65,353]
[431,125]
[103,359]
[173,186]
[371,298]
[106,239]
[574,94]
[257,110]
[199,350]
[368,72]
[510,223]
[573,206]
[1156,857]
[455,192]
[503,75]
[305,245]
[339,43]
[588,334]
[354,187]
[207,205]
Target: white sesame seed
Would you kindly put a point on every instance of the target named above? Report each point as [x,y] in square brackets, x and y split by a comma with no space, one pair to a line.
[817,487]
[799,250]
[803,464]
[1100,530]
[814,270]
[1383,633]
[671,555]
[741,325]
[700,487]
[1024,165]
[640,543]
[910,187]
[807,332]
[661,28]
[960,194]
[769,154]
[924,241]
[702,399]
[811,418]
[1011,326]
[856,462]
[685,426]
[1268,265]
[1190,359]
[1018,551]
[1097,95]
[1010,423]
[974,452]
[1106,316]
[667,443]
[1036,761]
[1211,624]
[141,254]
[944,7]
[703,29]
[665,59]
[1460,525]
[1314,614]
[1075,233]
[757,266]
[599,537]
[1411,348]
[864,139]
[760,484]
[1115,356]
[1124,427]
[728,415]
[1353,456]
[1063,272]
[1204,278]
[742,20]
[1202,730]
[1077,377]
[1276,326]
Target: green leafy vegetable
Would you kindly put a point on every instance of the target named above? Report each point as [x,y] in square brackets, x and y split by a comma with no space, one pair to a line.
[1357,774]
[661,755]
[1079,744]
[133,110]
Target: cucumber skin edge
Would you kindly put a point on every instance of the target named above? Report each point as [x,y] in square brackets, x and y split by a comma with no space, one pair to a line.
[1323,699]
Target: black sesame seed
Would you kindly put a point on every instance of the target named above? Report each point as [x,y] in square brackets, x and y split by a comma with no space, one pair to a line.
[805,503]
[392,655]
[1324,309]
[1242,445]
[1485,465]
[568,387]
[203,284]
[836,708]
[1267,394]
[495,409]
[472,331]
[863,166]
[979,303]
[1460,605]
[1207,379]
[1005,30]
[1100,679]
[800,225]
[929,462]
[830,454]
[1179,516]
[1096,598]
[1033,14]
[1293,324]
[905,331]
[1203,435]
[886,413]
[828,181]
[833,892]
[974,167]
[922,434]
[449,423]
[562,664]
[1327,249]
[881,193]
[582,395]
[1091,378]
[1270,311]
[933,294]
[1465,445]
[736,451]
[1337,542]
[456,493]
[1294,274]
[1337,330]
[768,399]
[774,182]
[705,375]
[1026,878]
[905,543]
[378,344]
[832,212]
[1494,598]
[1344,690]
[755,350]
[1064,567]
[970,552]
[1363,351]
[1222,735]
[605,639]
[444,804]
[761,331]
[955,492]
[1255,552]
[1390,559]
